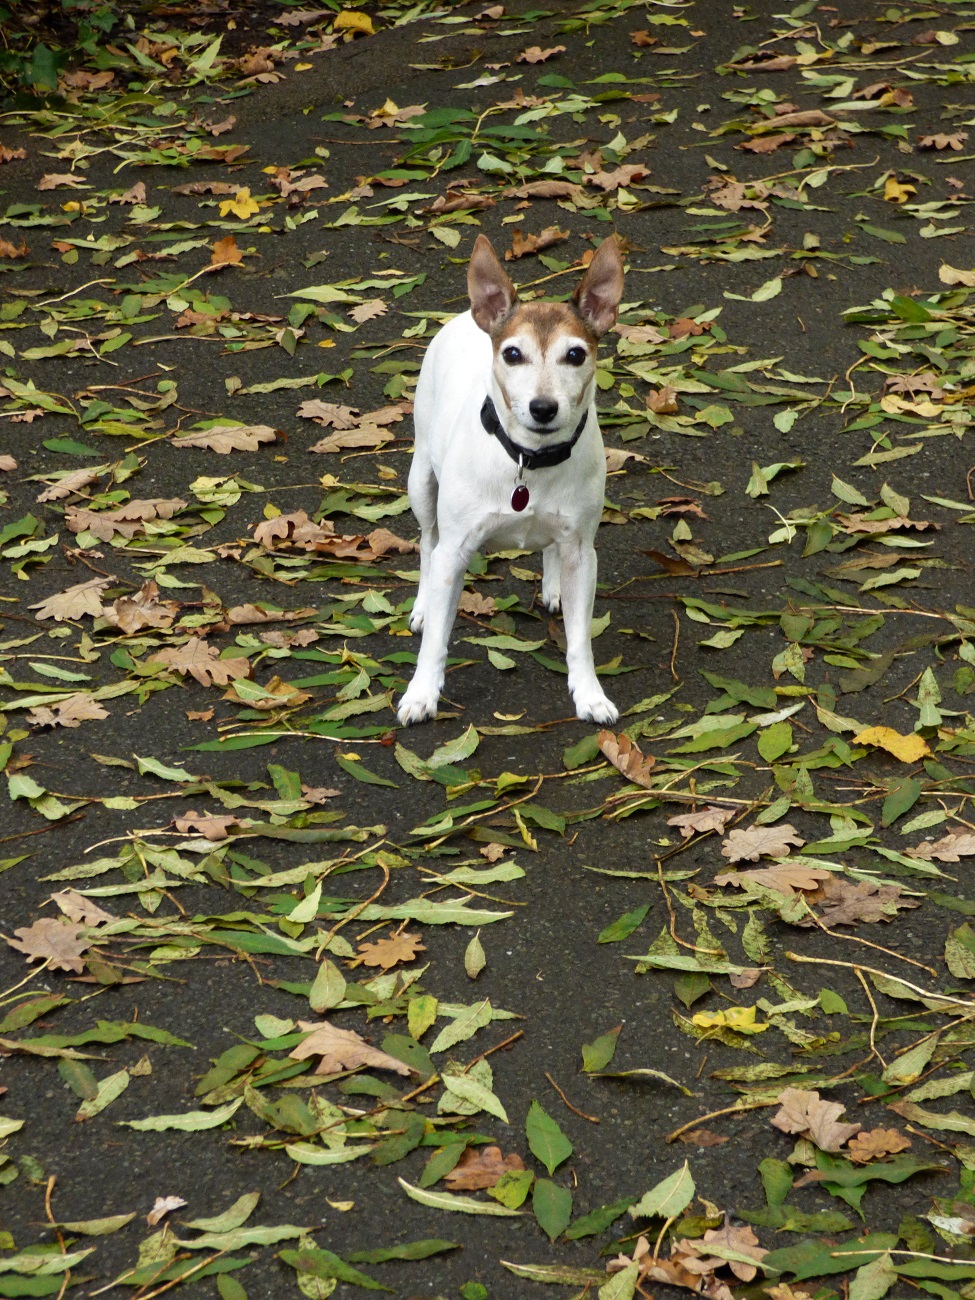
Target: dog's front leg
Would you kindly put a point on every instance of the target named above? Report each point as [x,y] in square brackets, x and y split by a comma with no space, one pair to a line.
[443,582]
[578,565]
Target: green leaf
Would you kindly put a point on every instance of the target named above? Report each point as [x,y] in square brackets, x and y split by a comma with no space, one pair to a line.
[902,797]
[624,926]
[774,741]
[191,1121]
[469,1090]
[622,1285]
[456,1204]
[233,1217]
[776,1179]
[323,1264]
[228,1288]
[411,1251]
[598,1220]
[873,1280]
[960,952]
[552,1207]
[598,1054]
[328,987]
[512,1188]
[455,751]
[546,1141]
[360,773]
[98,1227]
[669,1198]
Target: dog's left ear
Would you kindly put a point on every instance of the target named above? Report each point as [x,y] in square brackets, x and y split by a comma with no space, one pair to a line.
[491,292]
[598,296]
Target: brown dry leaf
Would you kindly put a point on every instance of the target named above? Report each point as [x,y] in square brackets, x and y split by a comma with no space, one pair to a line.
[199,715]
[627,757]
[212,826]
[616,458]
[292,530]
[52,181]
[74,602]
[202,662]
[745,979]
[365,436]
[950,848]
[368,310]
[552,189]
[738,1238]
[59,943]
[785,878]
[78,908]
[805,117]
[226,253]
[68,484]
[206,187]
[8,155]
[224,438]
[137,194]
[841,902]
[162,1206]
[663,401]
[767,143]
[318,794]
[9,250]
[703,1137]
[623,175]
[761,841]
[285,640]
[472,602]
[857,523]
[479,1169]
[339,417]
[535,54]
[342,1049]
[699,823]
[280,694]
[522,244]
[940,141]
[493,852]
[391,951]
[685,325]
[642,334]
[875,1143]
[71,712]
[141,610]
[805,1112]
[127,520]
[7,463]
[643,39]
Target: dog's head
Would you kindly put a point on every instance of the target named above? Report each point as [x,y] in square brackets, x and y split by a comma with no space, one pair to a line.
[545,352]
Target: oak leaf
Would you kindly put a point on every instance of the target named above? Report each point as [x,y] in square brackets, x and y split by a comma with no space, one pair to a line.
[74,602]
[8,155]
[841,902]
[642,39]
[761,841]
[78,908]
[472,602]
[318,794]
[391,951]
[702,821]
[53,180]
[202,662]
[535,54]
[785,878]
[211,826]
[623,175]
[225,438]
[738,1238]
[342,1049]
[368,310]
[60,943]
[339,417]
[479,1169]
[126,520]
[70,712]
[806,1113]
[67,484]
[140,610]
[950,848]
[137,194]
[875,1143]
[522,244]
[366,435]
[11,250]
[627,757]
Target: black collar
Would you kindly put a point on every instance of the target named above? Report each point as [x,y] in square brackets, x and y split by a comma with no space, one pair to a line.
[527,457]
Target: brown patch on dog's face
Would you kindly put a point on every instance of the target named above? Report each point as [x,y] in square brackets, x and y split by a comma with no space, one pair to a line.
[544,322]
[545,365]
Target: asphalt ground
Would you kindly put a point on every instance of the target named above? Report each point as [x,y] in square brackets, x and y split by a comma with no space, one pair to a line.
[544,963]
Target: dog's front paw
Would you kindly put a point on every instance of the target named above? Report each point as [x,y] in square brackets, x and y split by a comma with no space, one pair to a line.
[417,705]
[592,705]
[416,619]
[552,600]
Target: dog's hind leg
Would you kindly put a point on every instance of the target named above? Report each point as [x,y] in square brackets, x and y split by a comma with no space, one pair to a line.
[423,499]
[551,579]
[441,585]
[578,562]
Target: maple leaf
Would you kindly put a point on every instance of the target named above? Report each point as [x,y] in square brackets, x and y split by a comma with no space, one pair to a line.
[627,757]
[60,943]
[368,310]
[202,662]
[241,205]
[70,712]
[74,602]
[479,1169]
[950,848]
[78,908]
[940,141]
[141,610]
[391,951]
[699,823]
[226,253]
[875,1143]
[342,1049]
[805,1112]
[841,902]
[225,438]
[522,245]
[210,826]
[535,54]
[761,841]
[784,878]
[908,749]
[643,39]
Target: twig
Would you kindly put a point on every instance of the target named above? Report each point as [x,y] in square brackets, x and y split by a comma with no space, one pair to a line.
[505,1042]
[356,911]
[593,1119]
[715,1114]
[177,1281]
[855,938]
[43,830]
[673,652]
[852,965]
[714,952]
[876,1017]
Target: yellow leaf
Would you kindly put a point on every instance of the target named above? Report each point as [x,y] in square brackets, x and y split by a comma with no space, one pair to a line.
[302,67]
[895,192]
[907,748]
[740,1019]
[349,21]
[241,205]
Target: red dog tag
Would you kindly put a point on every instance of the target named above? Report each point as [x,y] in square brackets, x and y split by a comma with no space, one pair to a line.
[519,498]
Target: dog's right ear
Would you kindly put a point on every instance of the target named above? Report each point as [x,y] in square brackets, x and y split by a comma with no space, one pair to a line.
[491,292]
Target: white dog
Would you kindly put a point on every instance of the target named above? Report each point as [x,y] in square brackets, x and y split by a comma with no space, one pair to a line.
[509,454]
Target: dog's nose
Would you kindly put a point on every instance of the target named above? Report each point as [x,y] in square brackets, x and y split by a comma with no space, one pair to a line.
[543,409]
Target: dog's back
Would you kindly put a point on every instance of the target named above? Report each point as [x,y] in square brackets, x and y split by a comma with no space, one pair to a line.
[454,380]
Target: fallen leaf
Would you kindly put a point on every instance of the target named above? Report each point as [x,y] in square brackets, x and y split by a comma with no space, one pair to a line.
[56,180]
[60,943]
[535,54]
[71,712]
[950,848]
[140,610]
[761,841]
[522,245]
[224,438]
[941,141]
[342,1049]
[895,192]
[162,1206]
[9,155]
[9,250]
[226,253]
[643,39]
[875,1143]
[908,749]
[391,951]
[480,1168]
[318,794]
[701,822]
[202,662]
[368,310]
[137,194]
[68,484]
[210,826]
[806,1113]
[739,1019]
[472,602]
[703,1137]
[627,758]
[841,902]
[785,878]
[74,602]
[241,205]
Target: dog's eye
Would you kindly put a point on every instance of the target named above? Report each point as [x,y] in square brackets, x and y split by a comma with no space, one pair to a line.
[513,356]
[576,356]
